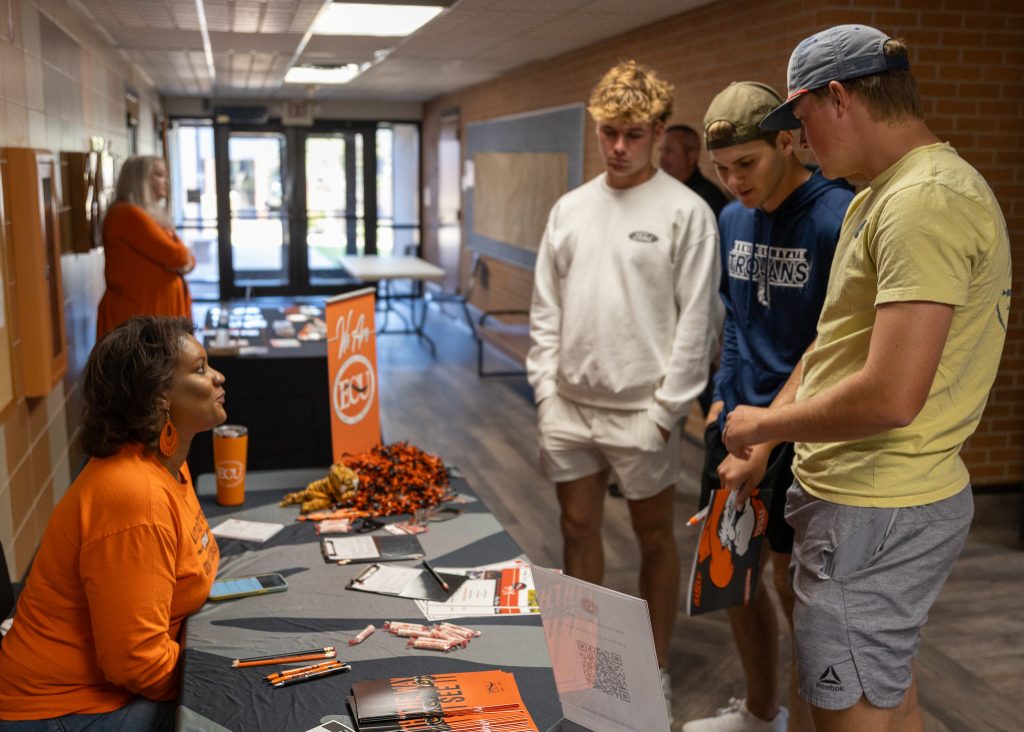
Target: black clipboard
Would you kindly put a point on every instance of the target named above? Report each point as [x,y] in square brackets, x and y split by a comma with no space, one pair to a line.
[413,584]
[365,548]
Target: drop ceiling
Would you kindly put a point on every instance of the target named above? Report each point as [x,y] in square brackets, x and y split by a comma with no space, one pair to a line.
[254,42]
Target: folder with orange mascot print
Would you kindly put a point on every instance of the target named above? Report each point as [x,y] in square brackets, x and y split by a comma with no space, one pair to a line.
[726,564]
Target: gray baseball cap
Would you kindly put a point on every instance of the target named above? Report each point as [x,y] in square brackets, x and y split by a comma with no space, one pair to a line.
[840,53]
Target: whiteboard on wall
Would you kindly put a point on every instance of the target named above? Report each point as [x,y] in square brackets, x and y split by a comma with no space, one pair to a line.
[516,168]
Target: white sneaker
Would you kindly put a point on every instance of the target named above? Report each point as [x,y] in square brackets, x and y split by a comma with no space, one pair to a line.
[666,688]
[737,718]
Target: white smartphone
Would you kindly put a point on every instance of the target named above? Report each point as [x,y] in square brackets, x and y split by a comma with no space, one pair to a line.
[230,588]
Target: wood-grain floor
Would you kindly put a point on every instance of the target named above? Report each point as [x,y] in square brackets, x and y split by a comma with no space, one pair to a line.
[971,660]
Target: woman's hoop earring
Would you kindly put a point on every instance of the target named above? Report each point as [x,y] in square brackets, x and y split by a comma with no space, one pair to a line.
[168,438]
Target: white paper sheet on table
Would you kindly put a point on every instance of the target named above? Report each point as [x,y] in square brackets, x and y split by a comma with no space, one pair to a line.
[258,531]
[492,590]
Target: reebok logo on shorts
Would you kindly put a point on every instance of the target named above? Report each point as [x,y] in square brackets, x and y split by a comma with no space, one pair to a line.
[830,681]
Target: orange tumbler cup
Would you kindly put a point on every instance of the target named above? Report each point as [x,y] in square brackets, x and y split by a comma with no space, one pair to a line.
[230,442]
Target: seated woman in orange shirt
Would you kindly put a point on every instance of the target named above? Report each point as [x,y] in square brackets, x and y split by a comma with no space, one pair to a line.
[127,554]
[144,259]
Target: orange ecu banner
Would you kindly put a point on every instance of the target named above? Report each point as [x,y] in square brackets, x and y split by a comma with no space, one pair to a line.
[352,370]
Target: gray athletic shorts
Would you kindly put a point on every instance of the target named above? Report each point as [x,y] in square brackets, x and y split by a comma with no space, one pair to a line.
[864,580]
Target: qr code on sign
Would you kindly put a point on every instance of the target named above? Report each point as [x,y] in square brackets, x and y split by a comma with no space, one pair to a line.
[603,670]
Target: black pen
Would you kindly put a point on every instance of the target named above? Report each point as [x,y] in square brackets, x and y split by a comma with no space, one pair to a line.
[298,679]
[283,654]
[435,575]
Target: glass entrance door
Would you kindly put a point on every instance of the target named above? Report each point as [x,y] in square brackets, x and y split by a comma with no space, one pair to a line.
[194,202]
[291,202]
[258,209]
[335,218]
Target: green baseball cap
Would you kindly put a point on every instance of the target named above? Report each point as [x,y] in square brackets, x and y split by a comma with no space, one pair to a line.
[743,104]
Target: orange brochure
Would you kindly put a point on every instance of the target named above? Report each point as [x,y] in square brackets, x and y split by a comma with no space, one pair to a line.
[352,370]
[462,700]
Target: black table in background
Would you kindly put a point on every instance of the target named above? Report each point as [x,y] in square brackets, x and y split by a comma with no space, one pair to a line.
[280,395]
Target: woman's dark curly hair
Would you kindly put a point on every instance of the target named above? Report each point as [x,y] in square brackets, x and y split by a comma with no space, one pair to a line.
[126,371]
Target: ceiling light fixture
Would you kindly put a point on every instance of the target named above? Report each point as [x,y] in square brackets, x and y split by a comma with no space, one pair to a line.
[207,47]
[365,19]
[323,74]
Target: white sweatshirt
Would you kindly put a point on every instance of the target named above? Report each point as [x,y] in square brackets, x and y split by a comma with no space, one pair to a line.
[625,311]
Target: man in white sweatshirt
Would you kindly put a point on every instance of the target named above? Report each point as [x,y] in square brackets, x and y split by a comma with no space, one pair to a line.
[624,319]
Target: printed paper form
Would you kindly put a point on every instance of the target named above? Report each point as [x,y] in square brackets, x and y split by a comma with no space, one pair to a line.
[387,579]
[246,530]
[352,547]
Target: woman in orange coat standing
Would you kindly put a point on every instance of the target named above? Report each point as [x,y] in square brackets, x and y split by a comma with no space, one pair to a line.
[145,260]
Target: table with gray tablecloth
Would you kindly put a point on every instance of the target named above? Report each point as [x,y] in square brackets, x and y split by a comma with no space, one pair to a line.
[317,611]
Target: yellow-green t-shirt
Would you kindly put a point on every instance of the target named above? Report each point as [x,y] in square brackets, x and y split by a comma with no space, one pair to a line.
[927,229]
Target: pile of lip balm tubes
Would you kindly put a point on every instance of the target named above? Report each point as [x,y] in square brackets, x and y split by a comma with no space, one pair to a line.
[441,637]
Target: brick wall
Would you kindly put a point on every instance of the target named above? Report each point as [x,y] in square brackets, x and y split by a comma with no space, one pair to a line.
[60,84]
[968,56]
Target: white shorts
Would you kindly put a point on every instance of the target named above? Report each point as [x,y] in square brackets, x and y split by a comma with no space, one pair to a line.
[577,441]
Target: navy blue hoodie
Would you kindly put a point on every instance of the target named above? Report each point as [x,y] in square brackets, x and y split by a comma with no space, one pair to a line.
[775,271]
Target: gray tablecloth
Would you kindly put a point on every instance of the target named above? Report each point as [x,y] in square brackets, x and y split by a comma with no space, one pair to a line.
[317,611]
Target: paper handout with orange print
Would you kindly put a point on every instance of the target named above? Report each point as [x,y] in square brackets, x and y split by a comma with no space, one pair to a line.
[469,700]
[352,372]
[726,563]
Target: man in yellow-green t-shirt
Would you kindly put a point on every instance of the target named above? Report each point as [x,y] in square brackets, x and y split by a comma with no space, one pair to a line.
[908,345]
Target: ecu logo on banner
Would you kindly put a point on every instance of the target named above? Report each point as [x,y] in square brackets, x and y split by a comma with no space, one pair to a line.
[354,390]
[352,368]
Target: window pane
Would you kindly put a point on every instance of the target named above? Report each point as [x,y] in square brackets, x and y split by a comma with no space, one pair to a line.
[396,240]
[327,192]
[385,174]
[325,175]
[194,202]
[397,189]
[257,208]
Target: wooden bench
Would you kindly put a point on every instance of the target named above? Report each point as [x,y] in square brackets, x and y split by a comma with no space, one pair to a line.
[509,332]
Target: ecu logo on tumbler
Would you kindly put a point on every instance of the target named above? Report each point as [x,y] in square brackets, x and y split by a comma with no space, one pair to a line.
[230,473]
[230,445]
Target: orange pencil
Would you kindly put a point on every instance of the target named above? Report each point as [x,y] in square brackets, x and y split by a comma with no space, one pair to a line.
[302,669]
[698,517]
[282,654]
[299,678]
[285,659]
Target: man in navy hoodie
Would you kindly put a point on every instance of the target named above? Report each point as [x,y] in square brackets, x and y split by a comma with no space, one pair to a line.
[777,242]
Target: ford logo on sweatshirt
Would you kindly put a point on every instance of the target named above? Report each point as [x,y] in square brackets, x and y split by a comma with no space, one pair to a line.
[644,236]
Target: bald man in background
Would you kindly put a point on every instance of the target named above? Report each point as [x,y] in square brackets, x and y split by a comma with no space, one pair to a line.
[680,153]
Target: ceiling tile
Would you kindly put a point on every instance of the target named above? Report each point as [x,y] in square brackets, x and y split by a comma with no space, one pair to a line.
[253,41]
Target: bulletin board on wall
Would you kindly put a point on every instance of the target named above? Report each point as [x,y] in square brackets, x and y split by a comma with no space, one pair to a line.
[6,366]
[515,169]
[33,206]
[87,180]
[7,20]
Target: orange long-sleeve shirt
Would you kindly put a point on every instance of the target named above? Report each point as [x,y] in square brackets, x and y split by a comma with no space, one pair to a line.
[126,557]
[140,257]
